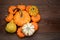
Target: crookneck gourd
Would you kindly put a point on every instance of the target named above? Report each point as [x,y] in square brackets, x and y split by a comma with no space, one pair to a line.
[12,9]
[9,17]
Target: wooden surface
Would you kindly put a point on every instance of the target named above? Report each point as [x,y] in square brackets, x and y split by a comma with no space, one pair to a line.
[49,26]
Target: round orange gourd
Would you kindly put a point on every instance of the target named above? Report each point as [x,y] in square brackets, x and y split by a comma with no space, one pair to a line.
[12,9]
[9,17]
[27,8]
[35,25]
[36,18]
[21,7]
[20,33]
[21,17]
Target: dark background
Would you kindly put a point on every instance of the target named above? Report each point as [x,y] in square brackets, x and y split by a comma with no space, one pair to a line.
[49,26]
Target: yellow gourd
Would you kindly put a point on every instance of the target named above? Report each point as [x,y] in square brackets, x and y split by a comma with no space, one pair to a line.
[11,27]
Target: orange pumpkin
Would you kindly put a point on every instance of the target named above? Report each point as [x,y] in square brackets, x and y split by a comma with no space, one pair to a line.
[28,7]
[9,17]
[12,9]
[36,18]
[35,25]
[21,7]
[20,33]
[21,17]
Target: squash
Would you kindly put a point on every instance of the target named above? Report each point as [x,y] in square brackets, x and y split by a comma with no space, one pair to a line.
[28,7]
[21,7]
[12,9]
[20,33]
[36,18]
[9,17]
[28,29]
[21,17]
[11,27]
[35,25]
[33,10]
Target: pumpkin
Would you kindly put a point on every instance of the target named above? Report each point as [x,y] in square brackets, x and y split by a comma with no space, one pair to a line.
[33,10]
[36,18]
[21,7]
[9,17]
[12,9]
[20,33]
[28,7]
[28,29]
[21,17]
[35,25]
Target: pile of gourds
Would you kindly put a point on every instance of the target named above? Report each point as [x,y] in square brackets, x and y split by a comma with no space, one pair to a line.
[22,20]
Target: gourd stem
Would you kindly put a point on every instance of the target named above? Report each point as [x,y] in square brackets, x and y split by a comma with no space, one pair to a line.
[32,8]
[21,13]
[16,9]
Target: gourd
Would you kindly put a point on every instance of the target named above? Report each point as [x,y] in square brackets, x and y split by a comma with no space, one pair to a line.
[33,10]
[11,27]
[9,17]
[12,9]
[20,33]
[21,7]
[36,18]
[28,29]
[21,17]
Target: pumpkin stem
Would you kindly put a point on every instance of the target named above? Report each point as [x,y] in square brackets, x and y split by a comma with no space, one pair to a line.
[21,13]
[32,8]
[18,10]
[14,9]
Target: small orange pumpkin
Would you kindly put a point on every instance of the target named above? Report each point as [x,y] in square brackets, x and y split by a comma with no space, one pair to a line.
[28,7]
[20,33]
[21,17]
[35,25]
[21,7]
[36,18]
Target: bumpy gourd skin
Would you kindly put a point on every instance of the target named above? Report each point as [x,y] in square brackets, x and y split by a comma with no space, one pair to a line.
[21,18]
[11,27]
[33,10]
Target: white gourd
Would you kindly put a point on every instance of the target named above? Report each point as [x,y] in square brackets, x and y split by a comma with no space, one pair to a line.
[28,29]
